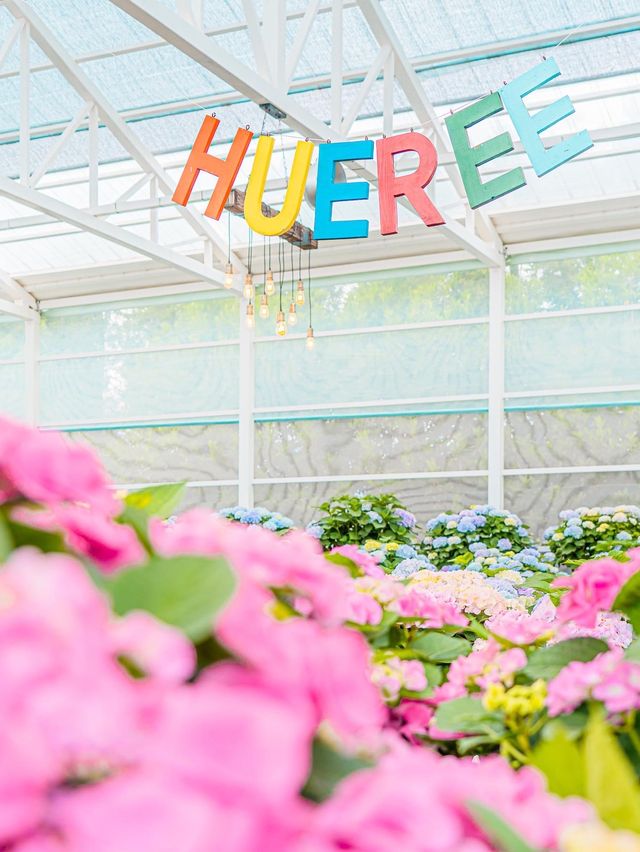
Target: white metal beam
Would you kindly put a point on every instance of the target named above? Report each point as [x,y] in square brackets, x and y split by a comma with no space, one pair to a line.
[16,291]
[59,210]
[224,65]
[15,309]
[85,87]
[246,405]
[405,73]
[495,417]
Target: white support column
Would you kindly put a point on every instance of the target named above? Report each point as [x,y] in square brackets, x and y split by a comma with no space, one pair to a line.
[94,155]
[246,397]
[31,356]
[495,426]
[274,38]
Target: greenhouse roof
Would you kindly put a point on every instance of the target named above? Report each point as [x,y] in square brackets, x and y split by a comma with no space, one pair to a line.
[102,99]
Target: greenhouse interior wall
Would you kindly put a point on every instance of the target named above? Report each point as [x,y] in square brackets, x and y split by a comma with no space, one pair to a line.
[410,370]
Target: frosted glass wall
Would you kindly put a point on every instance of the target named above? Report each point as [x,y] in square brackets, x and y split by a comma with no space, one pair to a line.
[394,396]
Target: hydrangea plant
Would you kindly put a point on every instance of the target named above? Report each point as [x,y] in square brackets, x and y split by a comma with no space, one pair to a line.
[356,519]
[491,560]
[273,521]
[399,560]
[585,533]
[451,534]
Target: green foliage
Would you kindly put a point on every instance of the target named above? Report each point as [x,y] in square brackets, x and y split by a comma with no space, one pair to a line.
[502,836]
[594,533]
[159,501]
[328,768]
[628,601]
[559,757]
[467,716]
[440,648]
[548,661]
[610,781]
[354,520]
[185,591]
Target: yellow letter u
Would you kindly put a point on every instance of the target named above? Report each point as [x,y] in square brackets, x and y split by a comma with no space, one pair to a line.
[273,226]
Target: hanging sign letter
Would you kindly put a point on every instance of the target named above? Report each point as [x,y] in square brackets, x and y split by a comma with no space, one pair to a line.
[200,161]
[328,192]
[275,225]
[530,127]
[392,186]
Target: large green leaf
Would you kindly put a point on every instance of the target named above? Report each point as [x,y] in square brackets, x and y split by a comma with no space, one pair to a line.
[328,768]
[628,601]
[610,783]
[345,562]
[632,654]
[6,539]
[465,715]
[185,591]
[158,501]
[440,648]
[504,838]
[559,757]
[547,662]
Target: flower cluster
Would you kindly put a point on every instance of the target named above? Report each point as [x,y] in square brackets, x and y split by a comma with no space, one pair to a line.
[399,560]
[450,534]
[585,533]
[491,560]
[354,520]
[273,521]
[475,593]
[608,678]
[192,715]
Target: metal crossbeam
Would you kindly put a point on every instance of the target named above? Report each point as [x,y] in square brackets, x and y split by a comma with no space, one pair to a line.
[224,65]
[85,221]
[90,93]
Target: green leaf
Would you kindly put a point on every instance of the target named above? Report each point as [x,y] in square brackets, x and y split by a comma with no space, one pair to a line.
[6,539]
[185,591]
[546,662]
[559,757]
[440,648]
[26,536]
[628,601]
[497,830]
[349,564]
[157,501]
[328,768]
[465,715]
[632,654]
[610,783]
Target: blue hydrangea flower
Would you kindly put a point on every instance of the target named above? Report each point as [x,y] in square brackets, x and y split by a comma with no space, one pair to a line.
[504,544]
[475,546]
[314,530]
[405,551]
[440,541]
[624,536]
[374,517]
[408,567]
[405,518]
[466,525]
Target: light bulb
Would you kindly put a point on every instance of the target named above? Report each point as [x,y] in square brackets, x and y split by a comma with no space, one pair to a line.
[251,319]
[264,306]
[311,341]
[300,294]
[228,275]
[293,317]
[281,326]
[247,290]
[269,286]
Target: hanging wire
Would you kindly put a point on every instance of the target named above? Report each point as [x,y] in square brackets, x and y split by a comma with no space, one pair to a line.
[264,266]
[293,294]
[309,286]
[228,236]
[250,253]
[280,269]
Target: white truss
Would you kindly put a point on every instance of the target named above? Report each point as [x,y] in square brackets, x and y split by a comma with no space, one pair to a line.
[273,89]
[97,109]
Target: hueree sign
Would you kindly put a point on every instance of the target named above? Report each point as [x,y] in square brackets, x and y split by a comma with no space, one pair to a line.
[390,185]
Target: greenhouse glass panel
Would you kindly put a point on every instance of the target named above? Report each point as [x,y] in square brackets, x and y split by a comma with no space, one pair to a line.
[12,398]
[11,338]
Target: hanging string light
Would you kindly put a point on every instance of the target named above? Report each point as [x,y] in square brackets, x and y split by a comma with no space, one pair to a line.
[300,284]
[247,290]
[269,286]
[264,299]
[293,317]
[281,326]
[228,270]
[310,342]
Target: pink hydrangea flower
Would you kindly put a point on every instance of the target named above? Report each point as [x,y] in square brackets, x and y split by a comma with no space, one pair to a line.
[411,719]
[607,678]
[593,588]
[110,545]
[47,468]
[519,628]
[365,561]
[393,675]
[161,651]
[417,602]
[488,663]
[363,609]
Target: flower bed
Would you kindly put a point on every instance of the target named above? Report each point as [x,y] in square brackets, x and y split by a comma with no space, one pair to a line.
[205,684]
